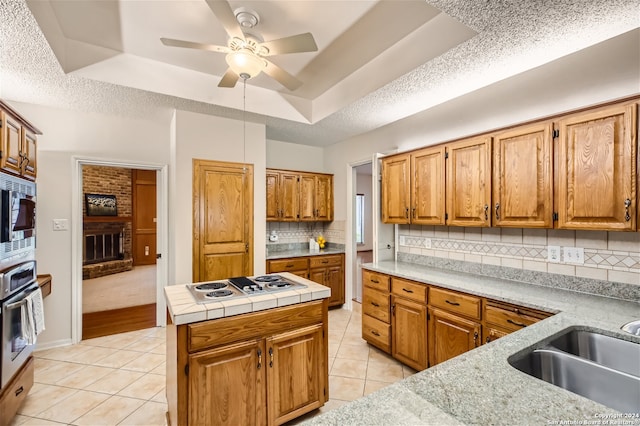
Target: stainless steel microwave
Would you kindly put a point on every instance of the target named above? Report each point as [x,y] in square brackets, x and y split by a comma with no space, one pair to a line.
[17,215]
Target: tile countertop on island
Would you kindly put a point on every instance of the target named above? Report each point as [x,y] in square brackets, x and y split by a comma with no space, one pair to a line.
[480,387]
[183,308]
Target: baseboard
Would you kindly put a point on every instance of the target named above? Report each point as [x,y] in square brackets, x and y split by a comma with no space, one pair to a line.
[105,323]
[53,344]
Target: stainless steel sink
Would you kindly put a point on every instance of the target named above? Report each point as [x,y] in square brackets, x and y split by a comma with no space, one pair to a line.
[602,368]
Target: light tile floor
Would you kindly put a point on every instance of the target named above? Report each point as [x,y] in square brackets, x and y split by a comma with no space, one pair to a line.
[120,379]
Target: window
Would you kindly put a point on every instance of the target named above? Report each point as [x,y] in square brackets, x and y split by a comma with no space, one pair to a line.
[360,218]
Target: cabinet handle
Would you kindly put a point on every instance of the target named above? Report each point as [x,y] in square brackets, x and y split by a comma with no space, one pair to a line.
[406,213]
[486,212]
[497,211]
[375,333]
[413,213]
[408,291]
[375,304]
[627,204]
[519,324]
[19,390]
[393,309]
[375,281]
[488,339]
[271,357]
[452,303]
[288,266]
[259,359]
[475,339]
[325,261]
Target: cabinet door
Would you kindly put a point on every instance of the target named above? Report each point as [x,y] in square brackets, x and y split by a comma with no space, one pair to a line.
[409,331]
[227,385]
[29,151]
[469,182]
[11,138]
[396,189]
[427,186]
[335,280]
[597,169]
[491,333]
[450,336]
[324,198]
[307,197]
[296,373]
[522,183]
[273,208]
[289,202]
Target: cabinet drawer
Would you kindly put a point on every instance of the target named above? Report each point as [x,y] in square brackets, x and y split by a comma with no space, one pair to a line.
[322,261]
[288,265]
[458,303]
[376,304]
[511,318]
[376,332]
[409,289]
[375,280]
[14,394]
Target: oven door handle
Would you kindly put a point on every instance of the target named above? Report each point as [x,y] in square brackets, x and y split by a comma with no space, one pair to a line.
[15,304]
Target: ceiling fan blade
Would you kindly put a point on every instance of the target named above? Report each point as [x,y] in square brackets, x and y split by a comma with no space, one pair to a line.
[224,13]
[229,79]
[194,45]
[293,44]
[281,76]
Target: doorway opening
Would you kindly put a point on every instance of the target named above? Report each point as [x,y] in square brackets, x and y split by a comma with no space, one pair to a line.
[119,230]
[363,223]
[119,250]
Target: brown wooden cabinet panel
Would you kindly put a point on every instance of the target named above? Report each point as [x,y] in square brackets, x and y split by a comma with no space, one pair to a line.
[307,197]
[295,373]
[15,392]
[377,333]
[409,326]
[331,275]
[289,197]
[227,385]
[11,160]
[144,216]
[222,220]
[324,198]
[376,304]
[29,154]
[428,186]
[491,333]
[288,265]
[455,302]
[450,336]
[597,160]
[396,189]
[299,196]
[469,182]
[409,290]
[522,177]
[376,280]
[273,195]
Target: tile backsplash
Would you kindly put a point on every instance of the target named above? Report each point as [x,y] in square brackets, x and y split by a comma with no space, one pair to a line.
[608,256]
[300,232]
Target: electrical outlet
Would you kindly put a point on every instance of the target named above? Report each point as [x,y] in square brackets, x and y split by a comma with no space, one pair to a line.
[574,255]
[403,240]
[60,224]
[553,254]
[427,243]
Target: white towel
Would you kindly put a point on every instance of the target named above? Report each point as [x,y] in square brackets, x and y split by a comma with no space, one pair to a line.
[33,316]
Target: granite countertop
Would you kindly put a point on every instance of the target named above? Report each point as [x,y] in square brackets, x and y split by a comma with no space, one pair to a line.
[183,308]
[480,387]
[301,252]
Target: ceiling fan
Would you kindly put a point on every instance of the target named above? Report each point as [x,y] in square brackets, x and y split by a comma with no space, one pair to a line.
[246,53]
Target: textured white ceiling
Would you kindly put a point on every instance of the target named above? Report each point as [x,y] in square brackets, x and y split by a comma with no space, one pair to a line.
[512,37]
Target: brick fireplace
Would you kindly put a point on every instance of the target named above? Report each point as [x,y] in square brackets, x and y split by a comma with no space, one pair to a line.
[107,239]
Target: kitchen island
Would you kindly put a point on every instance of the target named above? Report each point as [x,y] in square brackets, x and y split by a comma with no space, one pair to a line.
[480,387]
[247,359]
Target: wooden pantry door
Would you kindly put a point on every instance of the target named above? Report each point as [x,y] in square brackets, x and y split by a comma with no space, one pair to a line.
[222,220]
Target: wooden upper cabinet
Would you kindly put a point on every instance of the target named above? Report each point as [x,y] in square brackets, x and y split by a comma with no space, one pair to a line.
[469,182]
[428,186]
[396,189]
[18,144]
[522,177]
[597,169]
[299,196]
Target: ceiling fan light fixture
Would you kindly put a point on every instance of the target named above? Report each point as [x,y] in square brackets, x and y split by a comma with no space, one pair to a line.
[244,62]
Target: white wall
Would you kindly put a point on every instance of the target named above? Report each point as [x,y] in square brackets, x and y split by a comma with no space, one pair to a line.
[213,138]
[291,156]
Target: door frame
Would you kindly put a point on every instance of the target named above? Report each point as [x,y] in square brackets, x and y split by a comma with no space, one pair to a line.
[162,232]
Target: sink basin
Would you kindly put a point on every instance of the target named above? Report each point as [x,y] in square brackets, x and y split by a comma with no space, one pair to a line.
[602,368]
[615,353]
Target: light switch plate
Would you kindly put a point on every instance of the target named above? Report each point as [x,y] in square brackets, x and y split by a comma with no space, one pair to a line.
[60,224]
[553,254]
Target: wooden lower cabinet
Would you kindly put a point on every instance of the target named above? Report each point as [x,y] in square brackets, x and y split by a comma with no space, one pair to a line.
[15,392]
[409,325]
[262,368]
[491,333]
[226,385]
[295,385]
[451,335]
